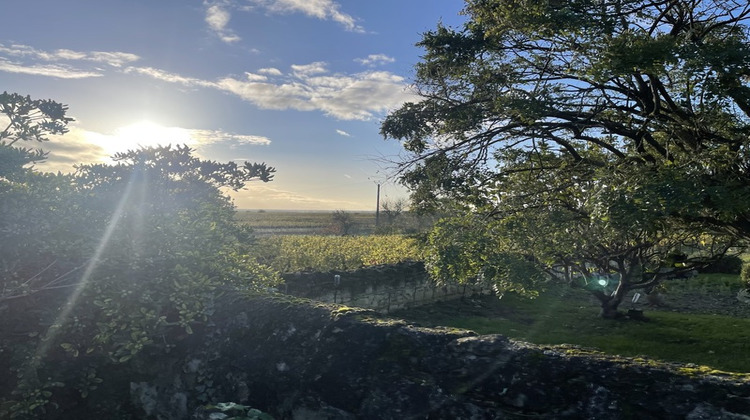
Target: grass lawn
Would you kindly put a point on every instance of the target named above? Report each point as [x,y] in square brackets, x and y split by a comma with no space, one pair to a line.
[567,316]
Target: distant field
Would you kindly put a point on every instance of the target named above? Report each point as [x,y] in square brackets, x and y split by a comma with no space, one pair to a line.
[271,222]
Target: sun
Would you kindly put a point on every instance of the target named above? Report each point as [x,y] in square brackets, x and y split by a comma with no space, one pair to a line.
[136,135]
[149,134]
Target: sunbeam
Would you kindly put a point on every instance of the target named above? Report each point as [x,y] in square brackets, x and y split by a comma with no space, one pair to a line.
[86,276]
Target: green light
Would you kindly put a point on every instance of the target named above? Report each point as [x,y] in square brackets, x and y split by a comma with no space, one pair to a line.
[602,282]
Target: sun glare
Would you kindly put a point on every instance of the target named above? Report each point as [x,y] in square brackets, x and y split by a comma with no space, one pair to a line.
[149,134]
[141,134]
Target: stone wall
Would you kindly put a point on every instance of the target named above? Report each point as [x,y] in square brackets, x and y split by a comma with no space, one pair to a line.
[382,288]
[299,359]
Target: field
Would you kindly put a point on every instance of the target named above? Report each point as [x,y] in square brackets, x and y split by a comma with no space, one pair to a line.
[274,222]
[290,253]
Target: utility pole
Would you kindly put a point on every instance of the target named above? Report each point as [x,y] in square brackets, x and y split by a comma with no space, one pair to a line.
[377,208]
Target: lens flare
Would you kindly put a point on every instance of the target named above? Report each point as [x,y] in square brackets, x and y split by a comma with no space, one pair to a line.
[86,276]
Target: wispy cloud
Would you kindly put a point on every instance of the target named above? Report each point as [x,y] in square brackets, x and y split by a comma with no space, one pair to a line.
[308,87]
[205,137]
[169,77]
[111,58]
[49,70]
[217,18]
[373,60]
[343,133]
[24,59]
[270,71]
[306,70]
[253,77]
[319,9]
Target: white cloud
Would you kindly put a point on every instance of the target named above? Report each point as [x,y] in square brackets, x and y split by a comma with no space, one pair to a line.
[49,70]
[112,58]
[205,137]
[375,60]
[269,95]
[252,77]
[319,9]
[309,87]
[217,18]
[358,96]
[271,71]
[169,77]
[343,133]
[24,59]
[305,70]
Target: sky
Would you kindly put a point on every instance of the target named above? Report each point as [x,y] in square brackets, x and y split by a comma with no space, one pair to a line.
[302,85]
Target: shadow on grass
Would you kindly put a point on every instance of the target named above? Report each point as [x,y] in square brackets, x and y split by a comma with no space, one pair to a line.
[567,316]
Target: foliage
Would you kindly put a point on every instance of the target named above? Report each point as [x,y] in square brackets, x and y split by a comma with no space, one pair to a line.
[588,130]
[730,264]
[341,222]
[397,218]
[745,275]
[27,119]
[110,263]
[569,225]
[326,253]
[463,249]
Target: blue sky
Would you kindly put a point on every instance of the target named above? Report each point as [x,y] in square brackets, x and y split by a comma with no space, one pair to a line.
[299,84]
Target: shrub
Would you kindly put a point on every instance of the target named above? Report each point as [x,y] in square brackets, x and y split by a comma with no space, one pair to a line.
[730,264]
[745,274]
[114,261]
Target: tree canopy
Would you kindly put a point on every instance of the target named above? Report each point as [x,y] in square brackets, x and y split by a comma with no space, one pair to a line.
[26,119]
[611,135]
[660,88]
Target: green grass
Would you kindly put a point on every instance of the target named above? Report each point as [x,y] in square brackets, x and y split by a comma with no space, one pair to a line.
[566,316]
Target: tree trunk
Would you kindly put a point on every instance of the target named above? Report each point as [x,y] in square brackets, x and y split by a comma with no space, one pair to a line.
[609,308]
[610,303]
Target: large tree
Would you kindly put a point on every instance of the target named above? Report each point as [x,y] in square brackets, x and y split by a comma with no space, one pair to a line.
[572,225]
[621,125]
[661,88]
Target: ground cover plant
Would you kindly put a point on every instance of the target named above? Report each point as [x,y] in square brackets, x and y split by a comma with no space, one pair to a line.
[326,253]
[711,335]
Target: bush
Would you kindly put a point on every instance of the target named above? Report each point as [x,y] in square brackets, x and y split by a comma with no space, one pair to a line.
[745,274]
[730,264]
[115,261]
